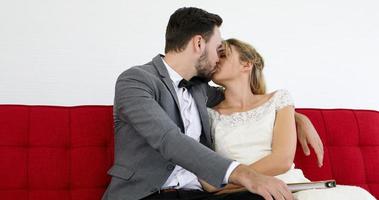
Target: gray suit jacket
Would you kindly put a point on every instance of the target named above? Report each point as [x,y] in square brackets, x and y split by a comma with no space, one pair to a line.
[149,139]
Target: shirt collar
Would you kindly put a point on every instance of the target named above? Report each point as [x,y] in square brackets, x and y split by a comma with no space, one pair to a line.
[174,76]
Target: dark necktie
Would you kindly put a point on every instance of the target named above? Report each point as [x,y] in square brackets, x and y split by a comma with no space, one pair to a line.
[186,84]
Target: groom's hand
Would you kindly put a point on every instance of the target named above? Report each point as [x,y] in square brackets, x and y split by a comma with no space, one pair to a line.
[307,134]
[268,187]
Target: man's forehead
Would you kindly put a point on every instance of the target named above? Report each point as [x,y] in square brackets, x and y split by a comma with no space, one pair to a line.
[216,38]
[217,34]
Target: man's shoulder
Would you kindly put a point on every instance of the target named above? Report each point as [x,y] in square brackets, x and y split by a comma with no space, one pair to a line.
[139,71]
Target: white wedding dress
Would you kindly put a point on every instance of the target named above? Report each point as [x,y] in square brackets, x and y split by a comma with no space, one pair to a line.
[246,137]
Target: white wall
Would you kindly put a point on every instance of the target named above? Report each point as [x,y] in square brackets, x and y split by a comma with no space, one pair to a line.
[71,52]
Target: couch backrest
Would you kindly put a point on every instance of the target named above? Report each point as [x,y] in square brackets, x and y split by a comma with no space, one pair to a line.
[61,153]
[50,152]
[351,145]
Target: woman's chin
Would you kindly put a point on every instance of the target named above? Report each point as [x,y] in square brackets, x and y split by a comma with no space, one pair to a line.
[216,80]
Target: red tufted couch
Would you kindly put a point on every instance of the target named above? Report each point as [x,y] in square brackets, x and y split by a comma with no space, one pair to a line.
[53,152]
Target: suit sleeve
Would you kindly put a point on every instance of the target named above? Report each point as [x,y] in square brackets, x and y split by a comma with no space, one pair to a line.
[136,105]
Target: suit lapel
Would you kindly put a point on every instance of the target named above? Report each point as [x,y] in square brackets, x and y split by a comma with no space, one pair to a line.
[161,68]
[200,101]
[165,77]
[196,94]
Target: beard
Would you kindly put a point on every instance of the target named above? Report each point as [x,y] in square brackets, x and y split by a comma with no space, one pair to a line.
[204,68]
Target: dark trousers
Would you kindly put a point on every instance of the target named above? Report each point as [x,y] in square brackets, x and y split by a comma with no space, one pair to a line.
[201,195]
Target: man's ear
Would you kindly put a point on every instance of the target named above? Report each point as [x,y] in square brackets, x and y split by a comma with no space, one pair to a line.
[198,43]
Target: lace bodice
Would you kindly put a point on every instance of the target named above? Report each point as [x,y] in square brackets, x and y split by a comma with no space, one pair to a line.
[280,99]
[247,136]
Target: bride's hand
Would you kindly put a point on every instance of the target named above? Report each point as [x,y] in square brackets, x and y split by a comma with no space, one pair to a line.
[227,189]
[230,188]
[307,134]
[208,187]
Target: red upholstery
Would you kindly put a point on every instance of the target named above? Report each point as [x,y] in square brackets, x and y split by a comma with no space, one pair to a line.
[351,145]
[55,153]
[52,152]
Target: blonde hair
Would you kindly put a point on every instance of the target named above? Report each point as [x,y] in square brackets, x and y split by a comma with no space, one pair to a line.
[248,54]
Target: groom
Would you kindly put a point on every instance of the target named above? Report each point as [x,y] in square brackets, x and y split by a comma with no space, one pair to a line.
[162,134]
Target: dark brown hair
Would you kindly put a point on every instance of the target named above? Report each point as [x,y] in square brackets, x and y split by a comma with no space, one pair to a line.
[187,22]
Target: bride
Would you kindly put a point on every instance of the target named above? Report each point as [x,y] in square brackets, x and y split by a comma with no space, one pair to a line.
[258,128]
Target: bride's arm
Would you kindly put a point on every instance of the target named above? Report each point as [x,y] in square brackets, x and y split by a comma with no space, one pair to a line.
[283,149]
[283,145]
[307,134]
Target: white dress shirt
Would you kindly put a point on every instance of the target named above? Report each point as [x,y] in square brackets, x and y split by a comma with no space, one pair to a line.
[180,177]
